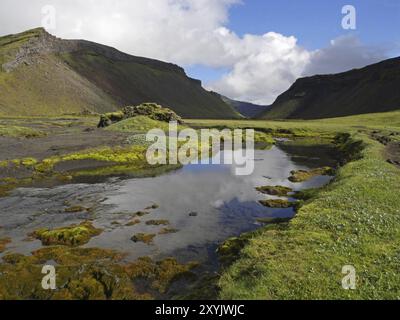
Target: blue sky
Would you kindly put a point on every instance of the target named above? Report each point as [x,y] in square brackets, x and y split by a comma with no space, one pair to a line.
[314,23]
[250,50]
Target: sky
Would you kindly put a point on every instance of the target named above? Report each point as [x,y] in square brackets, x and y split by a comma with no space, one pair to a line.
[249,50]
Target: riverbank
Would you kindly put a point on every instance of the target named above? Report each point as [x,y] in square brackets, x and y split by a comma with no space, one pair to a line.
[353,221]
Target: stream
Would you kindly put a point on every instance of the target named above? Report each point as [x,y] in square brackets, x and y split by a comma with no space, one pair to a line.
[205,204]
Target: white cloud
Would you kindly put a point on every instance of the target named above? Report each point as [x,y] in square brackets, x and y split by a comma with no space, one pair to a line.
[189,32]
[343,54]
[266,66]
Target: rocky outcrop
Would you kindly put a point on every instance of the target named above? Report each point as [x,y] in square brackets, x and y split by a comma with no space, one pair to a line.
[45,43]
[151,110]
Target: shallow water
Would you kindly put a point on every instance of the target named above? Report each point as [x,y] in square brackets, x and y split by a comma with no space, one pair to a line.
[224,204]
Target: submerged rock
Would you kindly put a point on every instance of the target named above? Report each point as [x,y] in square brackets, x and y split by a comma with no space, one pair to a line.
[146,238]
[152,207]
[141,213]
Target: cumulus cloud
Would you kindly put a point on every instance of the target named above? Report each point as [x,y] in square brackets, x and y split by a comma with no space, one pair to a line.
[267,66]
[192,32]
[343,54]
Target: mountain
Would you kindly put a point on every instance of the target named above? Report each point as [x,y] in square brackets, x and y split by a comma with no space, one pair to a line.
[246,109]
[44,75]
[374,88]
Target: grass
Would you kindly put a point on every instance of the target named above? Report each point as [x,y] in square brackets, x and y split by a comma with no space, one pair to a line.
[140,124]
[20,132]
[312,128]
[353,221]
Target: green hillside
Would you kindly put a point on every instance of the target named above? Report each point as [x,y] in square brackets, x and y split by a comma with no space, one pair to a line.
[368,90]
[44,75]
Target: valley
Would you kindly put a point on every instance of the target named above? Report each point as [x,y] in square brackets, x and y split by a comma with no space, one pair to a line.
[97,175]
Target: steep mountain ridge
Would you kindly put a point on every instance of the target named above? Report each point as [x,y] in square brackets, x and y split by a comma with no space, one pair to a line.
[372,89]
[44,75]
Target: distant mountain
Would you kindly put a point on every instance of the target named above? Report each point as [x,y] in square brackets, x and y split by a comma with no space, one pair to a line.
[371,89]
[43,75]
[246,109]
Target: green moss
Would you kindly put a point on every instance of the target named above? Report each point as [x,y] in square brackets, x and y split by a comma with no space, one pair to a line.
[302,175]
[229,250]
[277,203]
[141,124]
[146,238]
[160,274]
[29,162]
[305,195]
[271,220]
[88,274]
[74,235]
[275,191]
[20,132]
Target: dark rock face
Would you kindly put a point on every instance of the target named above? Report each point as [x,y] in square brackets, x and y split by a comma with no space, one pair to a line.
[151,110]
[368,90]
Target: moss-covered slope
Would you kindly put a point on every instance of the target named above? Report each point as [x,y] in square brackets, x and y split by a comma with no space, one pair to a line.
[367,90]
[44,75]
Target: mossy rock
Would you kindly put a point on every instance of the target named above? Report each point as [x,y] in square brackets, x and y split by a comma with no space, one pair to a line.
[157,223]
[168,230]
[75,235]
[302,175]
[134,222]
[150,110]
[146,238]
[275,191]
[277,203]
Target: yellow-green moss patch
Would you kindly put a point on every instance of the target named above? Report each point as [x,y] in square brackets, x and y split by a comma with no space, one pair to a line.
[302,175]
[74,235]
[275,190]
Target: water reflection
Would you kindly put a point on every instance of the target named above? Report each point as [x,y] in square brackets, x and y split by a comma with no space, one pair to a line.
[206,203]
